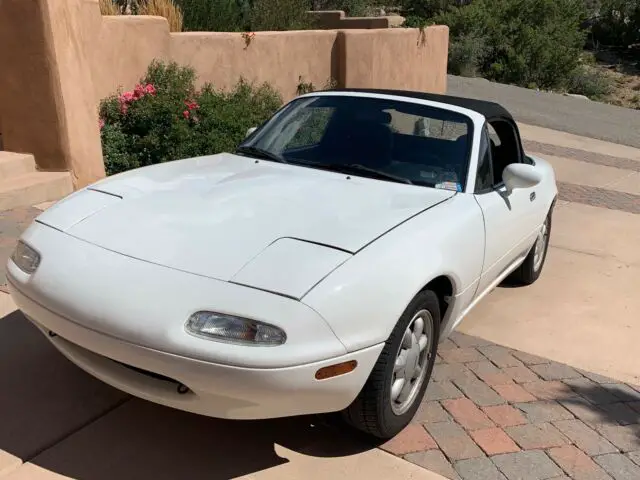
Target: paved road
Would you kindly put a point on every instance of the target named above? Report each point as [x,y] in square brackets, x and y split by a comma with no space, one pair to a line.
[558,112]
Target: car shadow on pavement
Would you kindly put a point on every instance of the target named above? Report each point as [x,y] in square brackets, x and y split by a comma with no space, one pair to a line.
[58,417]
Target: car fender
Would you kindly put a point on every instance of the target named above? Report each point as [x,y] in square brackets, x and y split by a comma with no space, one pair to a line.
[363,299]
[548,188]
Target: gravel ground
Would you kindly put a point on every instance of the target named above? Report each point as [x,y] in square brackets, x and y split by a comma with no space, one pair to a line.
[558,112]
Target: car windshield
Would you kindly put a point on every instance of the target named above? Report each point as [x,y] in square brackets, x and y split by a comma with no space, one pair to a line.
[371,137]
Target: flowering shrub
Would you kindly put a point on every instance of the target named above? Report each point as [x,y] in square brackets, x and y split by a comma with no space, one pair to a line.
[165,118]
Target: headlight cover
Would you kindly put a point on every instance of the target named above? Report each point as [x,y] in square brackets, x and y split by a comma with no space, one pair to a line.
[26,258]
[229,328]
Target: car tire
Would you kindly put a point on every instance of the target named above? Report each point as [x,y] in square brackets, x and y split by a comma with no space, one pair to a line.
[531,268]
[379,409]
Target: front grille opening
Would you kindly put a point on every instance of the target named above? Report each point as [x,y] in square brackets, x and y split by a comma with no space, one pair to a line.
[153,375]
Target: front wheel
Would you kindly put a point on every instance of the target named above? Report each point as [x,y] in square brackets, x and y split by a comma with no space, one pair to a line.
[392,394]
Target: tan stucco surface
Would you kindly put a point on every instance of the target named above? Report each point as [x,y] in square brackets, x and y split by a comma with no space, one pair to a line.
[29,97]
[408,59]
[279,58]
[60,58]
[125,46]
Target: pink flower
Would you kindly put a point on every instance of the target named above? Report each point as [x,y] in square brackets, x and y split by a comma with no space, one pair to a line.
[150,89]
[127,97]
[138,92]
[186,114]
[123,108]
[191,105]
[101,124]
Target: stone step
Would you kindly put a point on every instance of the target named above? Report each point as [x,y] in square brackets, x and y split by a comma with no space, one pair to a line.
[13,164]
[34,188]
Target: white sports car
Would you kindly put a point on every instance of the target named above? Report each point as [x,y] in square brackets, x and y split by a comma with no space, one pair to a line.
[313,270]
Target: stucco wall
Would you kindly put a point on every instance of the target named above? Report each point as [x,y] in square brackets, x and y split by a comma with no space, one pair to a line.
[28,97]
[392,58]
[279,58]
[124,47]
[61,57]
[403,58]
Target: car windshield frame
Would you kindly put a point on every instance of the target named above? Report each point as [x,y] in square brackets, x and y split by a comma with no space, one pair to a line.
[279,121]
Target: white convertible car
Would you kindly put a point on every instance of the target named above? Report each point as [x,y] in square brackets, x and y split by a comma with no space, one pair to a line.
[313,270]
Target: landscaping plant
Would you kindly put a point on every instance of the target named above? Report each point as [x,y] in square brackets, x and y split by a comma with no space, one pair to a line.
[165,118]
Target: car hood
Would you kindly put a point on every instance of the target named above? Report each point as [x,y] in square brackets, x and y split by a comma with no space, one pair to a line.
[212,215]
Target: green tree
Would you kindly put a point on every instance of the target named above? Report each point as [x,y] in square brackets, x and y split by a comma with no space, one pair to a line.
[525,42]
[353,8]
[617,23]
[280,15]
[215,15]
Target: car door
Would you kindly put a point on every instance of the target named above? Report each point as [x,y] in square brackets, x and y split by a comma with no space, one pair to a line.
[508,216]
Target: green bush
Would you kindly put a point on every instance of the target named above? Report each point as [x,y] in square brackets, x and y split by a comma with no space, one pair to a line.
[353,8]
[245,15]
[590,83]
[466,54]
[165,118]
[280,15]
[617,23]
[215,15]
[526,42]
[425,9]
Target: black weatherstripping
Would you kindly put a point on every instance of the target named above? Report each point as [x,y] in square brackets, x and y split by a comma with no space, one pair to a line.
[261,153]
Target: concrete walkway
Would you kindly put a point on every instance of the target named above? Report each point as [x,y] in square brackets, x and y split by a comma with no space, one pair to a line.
[492,411]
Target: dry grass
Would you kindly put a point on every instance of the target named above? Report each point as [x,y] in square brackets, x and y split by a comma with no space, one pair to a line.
[624,75]
[157,8]
[166,9]
[108,7]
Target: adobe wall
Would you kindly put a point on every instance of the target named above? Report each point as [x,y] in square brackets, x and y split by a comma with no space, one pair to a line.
[63,57]
[279,58]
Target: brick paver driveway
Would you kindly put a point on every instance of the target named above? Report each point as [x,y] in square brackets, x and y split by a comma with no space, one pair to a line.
[495,413]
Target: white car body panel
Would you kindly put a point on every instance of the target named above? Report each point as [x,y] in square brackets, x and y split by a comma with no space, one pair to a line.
[332,259]
[426,247]
[290,267]
[512,222]
[224,210]
[148,305]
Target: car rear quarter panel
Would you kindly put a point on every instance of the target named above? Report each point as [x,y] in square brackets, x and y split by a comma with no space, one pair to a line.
[363,299]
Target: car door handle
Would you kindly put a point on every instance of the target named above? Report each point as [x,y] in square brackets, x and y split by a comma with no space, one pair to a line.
[532,197]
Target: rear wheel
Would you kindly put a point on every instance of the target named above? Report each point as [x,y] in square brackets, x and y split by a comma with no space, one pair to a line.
[396,386]
[531,268]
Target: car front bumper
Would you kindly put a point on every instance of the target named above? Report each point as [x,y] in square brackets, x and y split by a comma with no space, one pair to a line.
[214,390]
[122,320]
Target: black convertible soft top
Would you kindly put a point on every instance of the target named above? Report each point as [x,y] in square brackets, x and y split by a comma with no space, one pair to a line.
[490,110]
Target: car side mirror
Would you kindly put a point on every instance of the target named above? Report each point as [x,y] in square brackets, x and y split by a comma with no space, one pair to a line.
[250,131]
[520,175]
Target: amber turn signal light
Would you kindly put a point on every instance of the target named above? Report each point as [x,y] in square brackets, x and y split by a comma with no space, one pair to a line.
[336,370]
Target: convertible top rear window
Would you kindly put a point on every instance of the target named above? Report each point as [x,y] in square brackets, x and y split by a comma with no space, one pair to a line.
[403,140]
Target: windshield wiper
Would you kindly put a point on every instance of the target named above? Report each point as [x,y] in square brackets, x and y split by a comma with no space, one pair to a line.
[357,168]
[258,152]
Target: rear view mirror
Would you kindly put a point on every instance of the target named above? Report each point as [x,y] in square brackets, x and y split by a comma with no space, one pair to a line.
[521,175]
[250,131]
